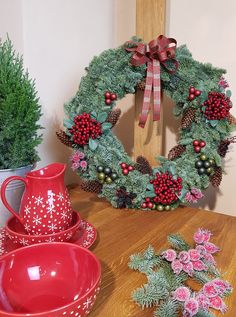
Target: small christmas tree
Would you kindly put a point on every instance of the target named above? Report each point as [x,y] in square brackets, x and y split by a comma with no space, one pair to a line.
[19,111]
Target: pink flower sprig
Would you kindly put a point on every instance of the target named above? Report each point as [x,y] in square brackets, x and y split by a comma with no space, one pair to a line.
[208,297]
[78,161]
[223,83]
[193,195]
[196,259]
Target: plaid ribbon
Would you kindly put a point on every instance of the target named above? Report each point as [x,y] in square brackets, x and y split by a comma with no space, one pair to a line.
[158,51]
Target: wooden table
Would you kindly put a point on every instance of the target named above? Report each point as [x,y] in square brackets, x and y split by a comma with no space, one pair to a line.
[124,232]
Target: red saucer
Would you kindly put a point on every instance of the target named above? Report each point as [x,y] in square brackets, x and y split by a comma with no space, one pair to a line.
[85,236]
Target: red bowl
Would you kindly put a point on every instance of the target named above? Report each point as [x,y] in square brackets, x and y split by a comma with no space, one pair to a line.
[16,232]
[49,280]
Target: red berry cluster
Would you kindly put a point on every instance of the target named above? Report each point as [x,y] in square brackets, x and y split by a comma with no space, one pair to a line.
[109,97]
[193,93]
[166,188]
[217,106]
[147,203]
[126,168]
[198,145]
[85,128]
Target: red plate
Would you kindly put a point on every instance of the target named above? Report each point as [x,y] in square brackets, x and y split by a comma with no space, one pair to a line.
[84,237]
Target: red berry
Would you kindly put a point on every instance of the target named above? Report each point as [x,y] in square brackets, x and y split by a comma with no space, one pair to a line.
[130,168]
[107,95]
[192,90]
[113,96]
[144,205]
[150,205]
[197,93]
[191,97]
[202,144]
[125,171]
[123,165]
[108,101]
[197,149]
[195,142]
[148,199]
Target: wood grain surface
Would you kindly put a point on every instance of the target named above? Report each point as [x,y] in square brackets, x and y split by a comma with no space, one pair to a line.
[124,232]
[150,22]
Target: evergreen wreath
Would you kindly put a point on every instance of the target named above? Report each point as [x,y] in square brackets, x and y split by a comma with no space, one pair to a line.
[202,101]
[169,274]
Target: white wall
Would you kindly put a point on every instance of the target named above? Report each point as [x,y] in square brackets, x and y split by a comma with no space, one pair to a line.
[207,27]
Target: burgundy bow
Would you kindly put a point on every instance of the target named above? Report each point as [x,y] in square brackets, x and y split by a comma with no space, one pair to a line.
[157,52]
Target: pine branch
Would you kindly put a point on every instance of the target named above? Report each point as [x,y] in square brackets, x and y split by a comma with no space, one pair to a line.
[169,308]
[178,242]
[204,313]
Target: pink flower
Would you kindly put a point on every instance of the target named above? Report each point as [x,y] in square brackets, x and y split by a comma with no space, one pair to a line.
[202,236]
[75,166]
[203,301]
[194,255]
[222,286]
[199,266]
[201,249]
[170,255]
[188,268]
[177,266]
[81,155]
[211,247]
[218,304]
[209,259]
[210,290]
[181,294]
[75,156]
[83,165]
[193,195]
[223,82]
[184,257]
[191,306]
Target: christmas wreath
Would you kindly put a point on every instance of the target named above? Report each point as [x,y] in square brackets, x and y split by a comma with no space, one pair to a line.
[202,101]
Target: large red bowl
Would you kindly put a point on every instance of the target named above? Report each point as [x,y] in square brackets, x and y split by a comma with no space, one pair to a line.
[16,232]
[48,280]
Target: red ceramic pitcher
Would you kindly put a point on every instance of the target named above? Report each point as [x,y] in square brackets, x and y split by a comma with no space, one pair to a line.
[45,205]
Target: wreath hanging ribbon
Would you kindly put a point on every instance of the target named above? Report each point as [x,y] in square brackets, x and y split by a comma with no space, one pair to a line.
[159,51]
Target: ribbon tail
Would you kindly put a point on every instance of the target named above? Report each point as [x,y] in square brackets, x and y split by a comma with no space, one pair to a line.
[156,90]
[147,96]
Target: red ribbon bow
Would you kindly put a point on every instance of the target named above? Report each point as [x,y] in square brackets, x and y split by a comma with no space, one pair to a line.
[157,52]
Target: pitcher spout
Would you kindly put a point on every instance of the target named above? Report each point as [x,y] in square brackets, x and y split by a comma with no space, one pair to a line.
[50,171]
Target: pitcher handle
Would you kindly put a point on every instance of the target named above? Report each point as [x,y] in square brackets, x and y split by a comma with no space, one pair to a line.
[3,194]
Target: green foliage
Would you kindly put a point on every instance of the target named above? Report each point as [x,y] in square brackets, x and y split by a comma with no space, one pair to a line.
[112,71]
[169,308]
[177,242]
[19,111]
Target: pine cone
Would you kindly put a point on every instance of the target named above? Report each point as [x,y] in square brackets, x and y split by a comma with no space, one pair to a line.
[114,116]
[231,119]
[216,178]
[91,186]
[143,166]
[224,146]
[188,118]
[61,135]
[141,85]
[176,151]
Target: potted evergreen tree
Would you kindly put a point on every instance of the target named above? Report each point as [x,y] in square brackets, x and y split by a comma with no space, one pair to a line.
[19,115]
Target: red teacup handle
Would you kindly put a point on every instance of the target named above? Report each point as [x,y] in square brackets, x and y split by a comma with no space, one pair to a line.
[3,194]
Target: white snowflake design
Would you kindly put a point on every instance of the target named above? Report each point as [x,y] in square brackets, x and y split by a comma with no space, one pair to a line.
[50,210]
[38,200]
[27,210]
[24,242]
[60,197]
[52,227]
[69,235]
[89,228]
[90,235]
[87,303]
[86,243]
[27,227]
[50,240]
[37,220]
[63,215]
